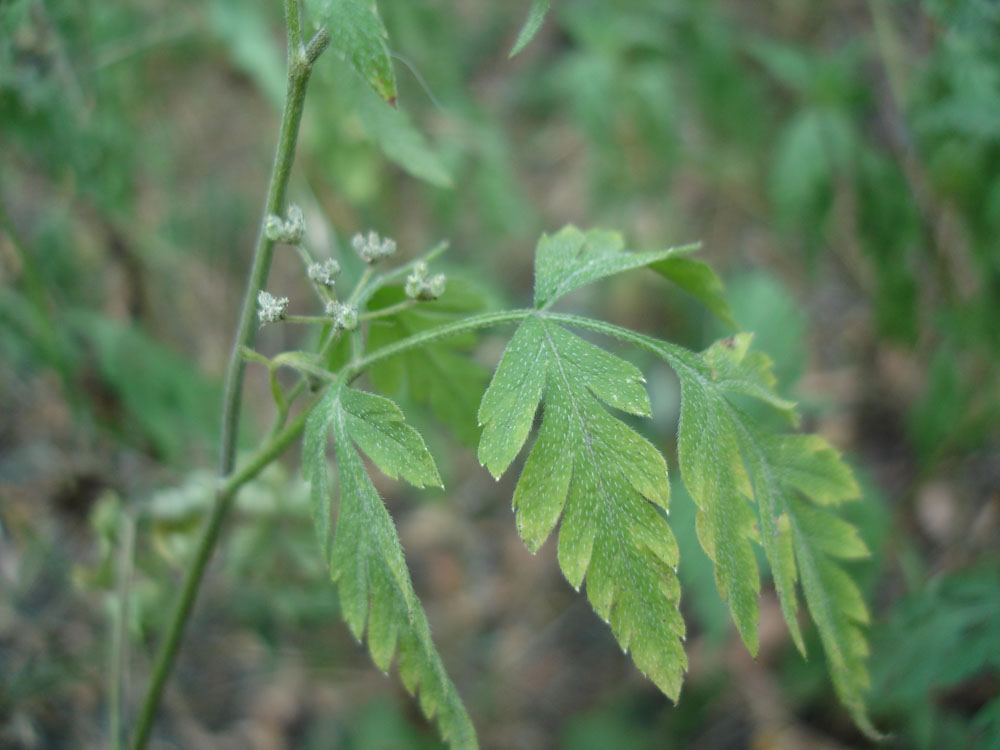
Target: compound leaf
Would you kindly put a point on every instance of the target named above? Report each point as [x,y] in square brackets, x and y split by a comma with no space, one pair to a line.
[606,482]
[365,556]
[571,258]
[736,369]
[729,460]
[713,472]
[359,36]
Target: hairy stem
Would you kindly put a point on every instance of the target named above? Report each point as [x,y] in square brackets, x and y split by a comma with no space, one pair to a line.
[273,448]
[676,356]
[385,312]
[484,320]
[224,497]
[299,68]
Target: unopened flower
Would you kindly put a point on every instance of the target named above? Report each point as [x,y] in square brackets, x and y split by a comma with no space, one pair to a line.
[288,231]
[345,317]
[324,273]
[419,285]
[274,227]
[295,224]
[373,248]
[271,308]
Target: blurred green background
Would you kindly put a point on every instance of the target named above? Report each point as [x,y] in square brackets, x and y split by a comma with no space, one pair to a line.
[841,163]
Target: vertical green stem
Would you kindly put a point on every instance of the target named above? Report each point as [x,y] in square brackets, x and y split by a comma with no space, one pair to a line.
[178,619]
[119,639]
[299,68]
[300,61]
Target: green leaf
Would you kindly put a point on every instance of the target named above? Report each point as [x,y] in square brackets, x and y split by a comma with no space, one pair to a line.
[728,459]
[571,258]
[698,279]
[531,26]
[359,36]
[365,556]
[712,468]
[401,142]
[439,374]
[377,426]
[606,482]
[736,369]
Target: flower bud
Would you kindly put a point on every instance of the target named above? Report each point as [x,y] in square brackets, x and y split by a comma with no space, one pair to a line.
[295,225]
[419,286]
[324,273]
[271,308]
[289,231]
[274,227]
[345,317]
[373,248]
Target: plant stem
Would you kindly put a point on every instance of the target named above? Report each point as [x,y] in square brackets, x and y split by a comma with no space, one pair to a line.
[676,356]
[485,320]
[305,319]
[403,270]
[119,641]
[360,286]
[178,619]
[299,69]
[300,63]
[206,545]
[264,456]
[384,312]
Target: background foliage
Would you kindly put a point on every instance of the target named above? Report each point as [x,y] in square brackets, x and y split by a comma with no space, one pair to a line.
[840,163]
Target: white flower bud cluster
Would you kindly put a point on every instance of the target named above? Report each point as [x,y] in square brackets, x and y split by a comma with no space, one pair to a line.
[423,287]
[271,308]
[289,231]
[324,273]
[373,248]
[345,317]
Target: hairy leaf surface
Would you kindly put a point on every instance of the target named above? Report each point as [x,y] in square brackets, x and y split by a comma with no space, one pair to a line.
[359,36]
[571,258]
[365,556]
[606,482]
[729,462]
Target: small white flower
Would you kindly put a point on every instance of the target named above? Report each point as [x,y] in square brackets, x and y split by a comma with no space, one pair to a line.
[271,308]
[324,273]
[289,231]
[345,317]
[295,225]
[420,286]
[373,248]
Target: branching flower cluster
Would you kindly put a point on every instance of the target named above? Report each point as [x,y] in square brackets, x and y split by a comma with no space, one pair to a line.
[373,248]
[344,315]
[288,231]
[324,273]
[587,473]
[419,285]
[271,308]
